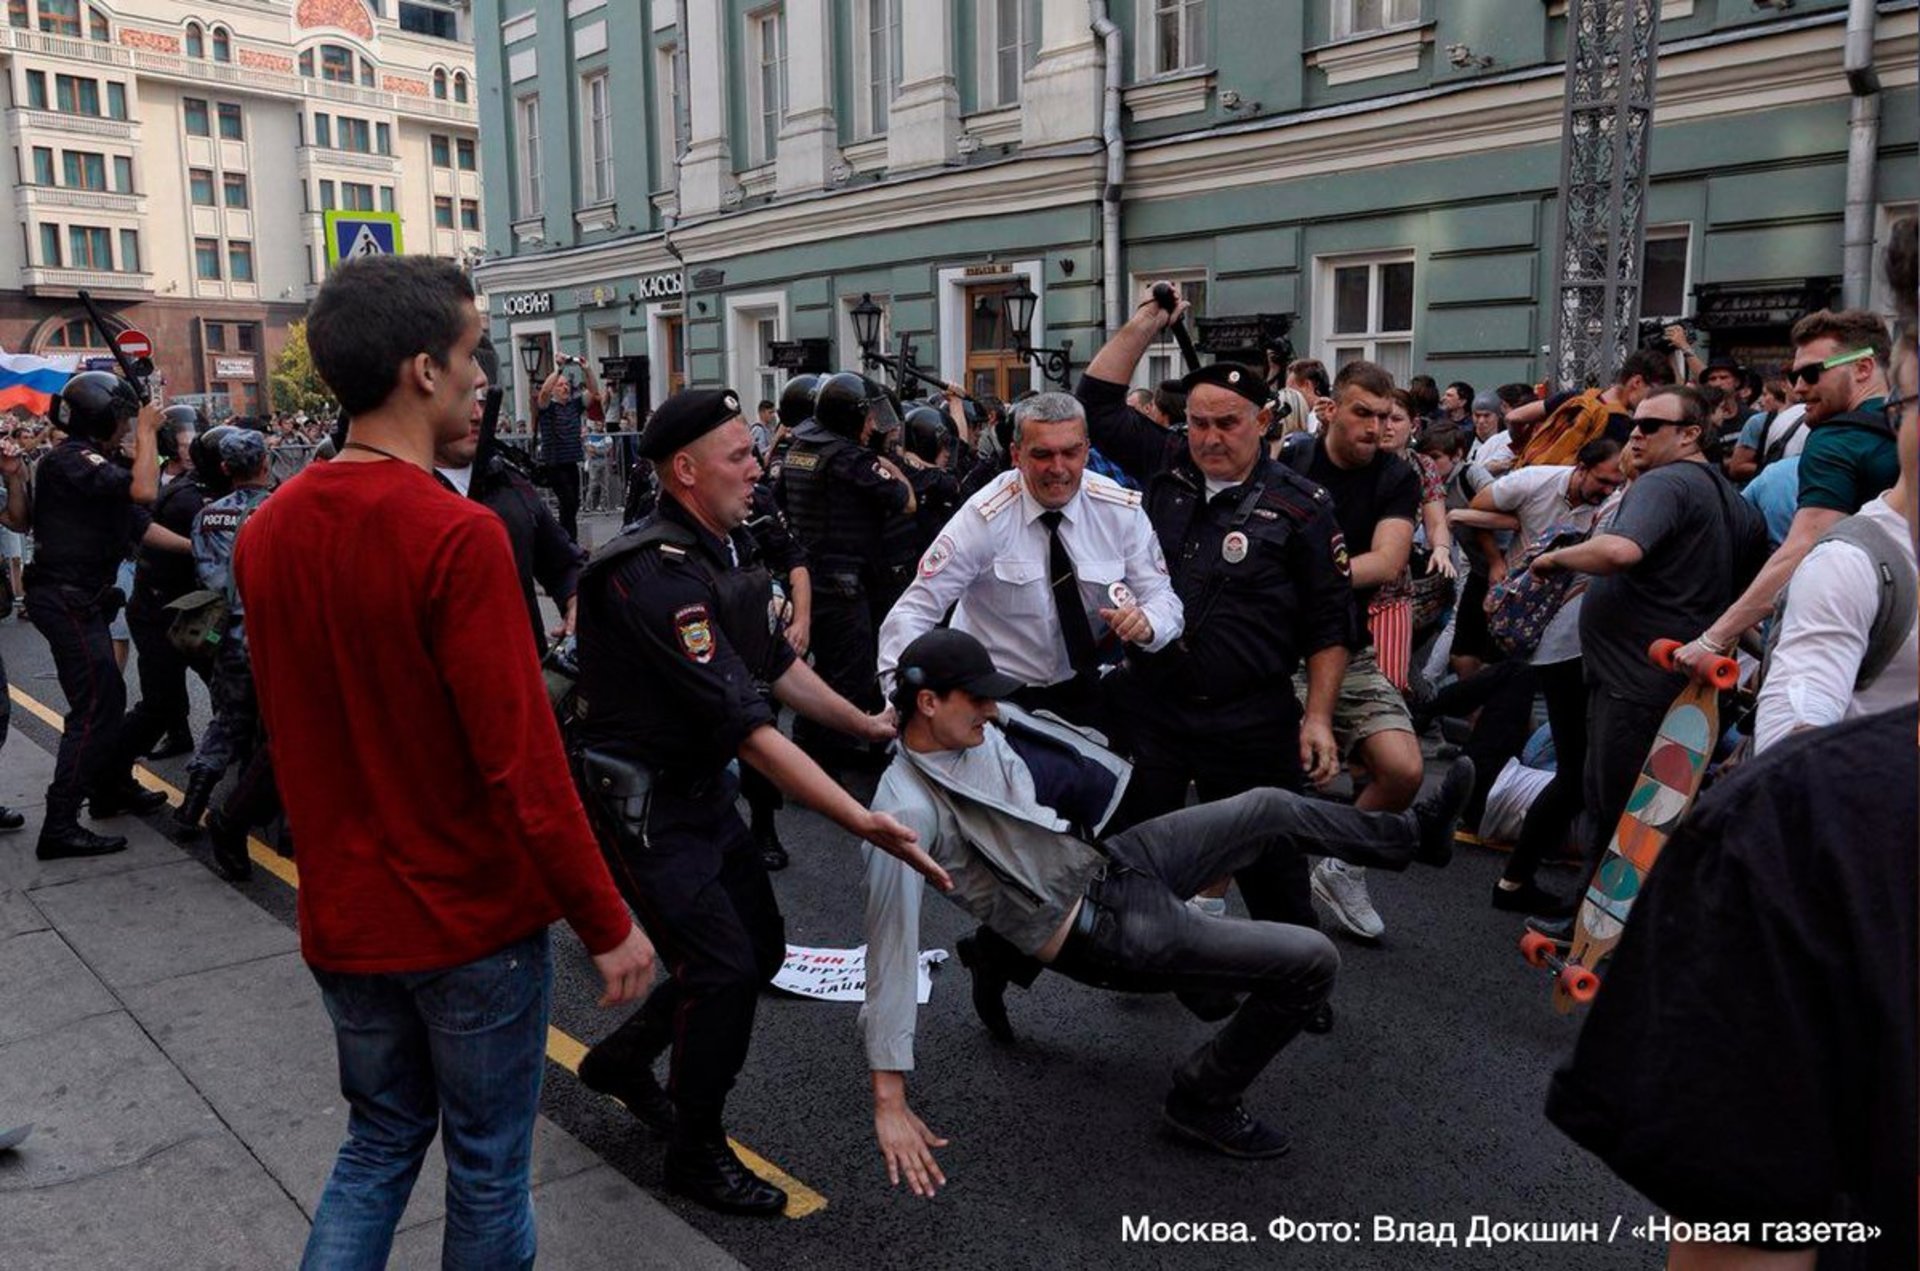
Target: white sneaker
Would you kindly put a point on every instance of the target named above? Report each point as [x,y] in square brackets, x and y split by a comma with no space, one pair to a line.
[1342,889]
[1211,906]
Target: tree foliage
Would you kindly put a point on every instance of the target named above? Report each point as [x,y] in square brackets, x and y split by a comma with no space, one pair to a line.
[295,385]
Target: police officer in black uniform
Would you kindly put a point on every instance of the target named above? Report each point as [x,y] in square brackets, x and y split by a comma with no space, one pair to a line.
[679,630]
[1257,559]
[839,493]
[87,510]
[160,577]
[926,447]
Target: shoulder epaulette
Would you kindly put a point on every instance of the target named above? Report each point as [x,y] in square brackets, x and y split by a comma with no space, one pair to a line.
[1106,491]
[994,500]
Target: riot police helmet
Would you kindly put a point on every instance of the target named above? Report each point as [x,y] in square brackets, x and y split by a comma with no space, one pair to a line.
[796,400]
[94,404]
[178,421]
[926,433]
[205,453]
[840,404]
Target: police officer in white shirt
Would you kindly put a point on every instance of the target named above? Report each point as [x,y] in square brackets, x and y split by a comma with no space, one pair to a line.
[1043,562]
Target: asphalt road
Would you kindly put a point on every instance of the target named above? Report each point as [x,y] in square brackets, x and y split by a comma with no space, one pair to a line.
[1422,1105]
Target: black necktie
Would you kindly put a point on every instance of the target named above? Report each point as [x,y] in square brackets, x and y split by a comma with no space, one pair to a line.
[1066,598]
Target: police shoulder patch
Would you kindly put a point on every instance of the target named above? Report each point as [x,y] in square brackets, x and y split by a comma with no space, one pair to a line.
[695,629]
[1340,559]
[936,557]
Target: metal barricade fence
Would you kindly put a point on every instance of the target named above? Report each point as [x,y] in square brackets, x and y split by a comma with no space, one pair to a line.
[603,473]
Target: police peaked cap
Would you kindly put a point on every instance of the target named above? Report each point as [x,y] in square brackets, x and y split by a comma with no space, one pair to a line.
[685,418]
[1233,377]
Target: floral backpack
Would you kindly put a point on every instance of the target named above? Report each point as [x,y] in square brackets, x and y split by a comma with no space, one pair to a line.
[1521,605]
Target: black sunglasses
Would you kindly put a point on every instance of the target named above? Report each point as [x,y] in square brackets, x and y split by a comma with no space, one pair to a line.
[1648,427]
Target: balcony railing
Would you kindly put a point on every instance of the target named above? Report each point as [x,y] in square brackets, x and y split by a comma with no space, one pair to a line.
[195,70]
[30,196]
[313,158]
[67,280]
[25,118]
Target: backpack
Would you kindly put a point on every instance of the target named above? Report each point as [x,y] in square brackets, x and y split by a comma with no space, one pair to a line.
[1899,594]
[1560,435]
[1522,605]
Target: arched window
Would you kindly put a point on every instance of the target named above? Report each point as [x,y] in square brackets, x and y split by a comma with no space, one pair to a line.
[196,41]
[336,63]
[306,63]
[60,17]
[460,86]
[222,45]
[366,73]
[97,28]
[72,334]
[440,85]
[18,14]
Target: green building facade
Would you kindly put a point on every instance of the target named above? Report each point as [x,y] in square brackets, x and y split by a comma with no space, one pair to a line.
[691,183]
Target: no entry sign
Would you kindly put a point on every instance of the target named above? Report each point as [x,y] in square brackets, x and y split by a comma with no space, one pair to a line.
[134,344]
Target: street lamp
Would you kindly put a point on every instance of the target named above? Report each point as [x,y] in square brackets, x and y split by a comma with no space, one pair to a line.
[866,324]
[530,358]
[1018,305]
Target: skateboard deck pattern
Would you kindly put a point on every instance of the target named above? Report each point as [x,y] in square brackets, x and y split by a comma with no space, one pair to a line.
[1661,795]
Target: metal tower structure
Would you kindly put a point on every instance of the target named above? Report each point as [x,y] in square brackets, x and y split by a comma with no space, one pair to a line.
[1612,54]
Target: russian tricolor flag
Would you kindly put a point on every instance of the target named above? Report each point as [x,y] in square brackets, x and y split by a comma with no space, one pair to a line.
[33,382]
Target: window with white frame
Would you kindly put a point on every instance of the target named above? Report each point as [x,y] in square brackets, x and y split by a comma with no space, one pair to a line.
[1007,49]
[1162,360]
[1366,311]
[527,116]
[670,117]
[767,86]
[598,168]
[1363,17]
[878,55]
[1175,38]
[1663,271]
[754,324]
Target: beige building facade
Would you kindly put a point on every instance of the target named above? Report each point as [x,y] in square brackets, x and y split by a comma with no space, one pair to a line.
[175,158]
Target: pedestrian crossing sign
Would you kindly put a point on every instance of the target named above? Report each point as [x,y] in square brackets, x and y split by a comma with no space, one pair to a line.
[351,235]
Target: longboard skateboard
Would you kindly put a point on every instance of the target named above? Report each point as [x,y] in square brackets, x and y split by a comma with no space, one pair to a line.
[1668,781]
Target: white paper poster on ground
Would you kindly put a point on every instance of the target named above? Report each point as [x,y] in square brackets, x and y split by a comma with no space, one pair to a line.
[840,975]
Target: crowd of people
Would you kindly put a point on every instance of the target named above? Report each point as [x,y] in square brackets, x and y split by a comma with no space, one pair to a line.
[1111,654]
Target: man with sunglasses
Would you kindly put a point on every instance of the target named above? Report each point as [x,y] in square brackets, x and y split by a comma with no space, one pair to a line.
[1839,372]
[1683,543]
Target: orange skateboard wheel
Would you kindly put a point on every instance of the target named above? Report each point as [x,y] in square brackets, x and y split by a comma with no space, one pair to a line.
[1535,948]
[1580,983]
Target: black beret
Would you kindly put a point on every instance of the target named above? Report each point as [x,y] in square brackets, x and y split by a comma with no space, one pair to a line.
[685,418]
[1233,377]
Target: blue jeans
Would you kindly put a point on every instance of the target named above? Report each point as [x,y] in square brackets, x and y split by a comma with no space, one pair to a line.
[465,1048]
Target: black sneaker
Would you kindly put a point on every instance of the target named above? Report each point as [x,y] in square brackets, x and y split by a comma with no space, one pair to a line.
[989,990]
[76,840]
[11,820]
[773,853]
[1438,814]
[1528,898]
[1226,1128]
[1320,1023]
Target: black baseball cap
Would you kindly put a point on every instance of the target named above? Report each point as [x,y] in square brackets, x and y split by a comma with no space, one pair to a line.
[944,659]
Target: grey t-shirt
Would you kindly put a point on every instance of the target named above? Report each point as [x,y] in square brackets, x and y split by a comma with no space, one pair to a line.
[1702,544]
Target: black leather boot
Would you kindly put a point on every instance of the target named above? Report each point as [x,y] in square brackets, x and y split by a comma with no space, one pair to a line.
[186,817]
[63,836]
[704,1168]
[631,1082]
[228,838]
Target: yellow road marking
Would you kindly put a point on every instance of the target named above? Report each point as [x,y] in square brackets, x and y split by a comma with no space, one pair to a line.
[563,1048]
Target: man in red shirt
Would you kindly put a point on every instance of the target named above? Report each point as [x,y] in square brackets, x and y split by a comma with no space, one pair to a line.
[422,772]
